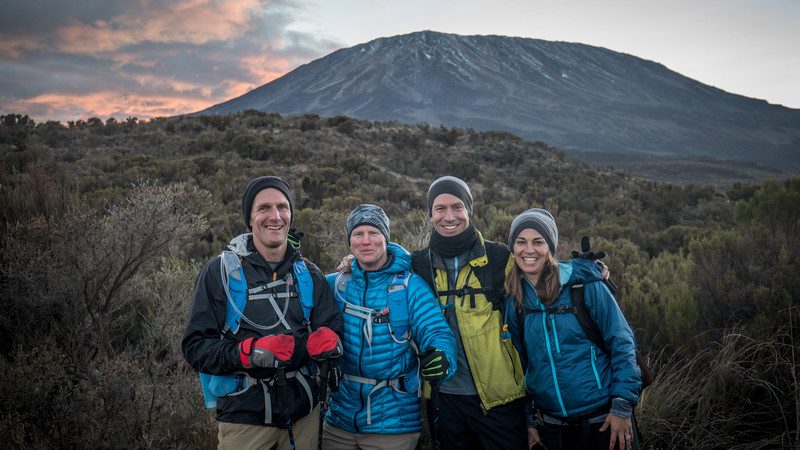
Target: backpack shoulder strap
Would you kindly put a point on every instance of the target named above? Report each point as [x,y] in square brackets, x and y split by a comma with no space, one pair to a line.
[589,326]
[235,286]
[305,286]
[340,285]
[398,305]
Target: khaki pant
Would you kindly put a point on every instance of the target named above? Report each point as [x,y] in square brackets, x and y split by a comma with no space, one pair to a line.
[337,439]
[236,436]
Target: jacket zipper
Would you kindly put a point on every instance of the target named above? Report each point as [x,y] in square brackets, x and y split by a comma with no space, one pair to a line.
[553,365]
[594,367]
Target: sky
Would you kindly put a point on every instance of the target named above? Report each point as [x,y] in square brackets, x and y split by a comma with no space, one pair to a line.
[75,59]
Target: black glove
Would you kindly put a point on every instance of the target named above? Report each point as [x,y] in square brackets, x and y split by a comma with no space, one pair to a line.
[586,251]
[334,374]
[433,364]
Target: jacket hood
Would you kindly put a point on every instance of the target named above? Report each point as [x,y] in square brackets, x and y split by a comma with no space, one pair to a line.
[398,260]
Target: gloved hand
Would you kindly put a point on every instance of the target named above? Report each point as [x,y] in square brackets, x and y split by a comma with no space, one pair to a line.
[586,251]
[268,351]
[334,374]
[323,344]
[433,364]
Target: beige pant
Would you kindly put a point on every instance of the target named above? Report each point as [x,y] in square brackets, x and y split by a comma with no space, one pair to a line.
[337,439]
[236,436]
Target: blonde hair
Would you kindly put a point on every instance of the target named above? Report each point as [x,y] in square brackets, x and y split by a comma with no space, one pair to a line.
[547,288]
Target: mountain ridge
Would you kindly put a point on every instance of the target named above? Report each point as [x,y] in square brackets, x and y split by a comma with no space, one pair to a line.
[579,97]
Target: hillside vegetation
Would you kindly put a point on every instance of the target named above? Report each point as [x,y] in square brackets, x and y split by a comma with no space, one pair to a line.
[106,224]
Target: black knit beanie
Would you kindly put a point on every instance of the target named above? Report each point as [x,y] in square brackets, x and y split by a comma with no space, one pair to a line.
[540,220]
[453,186]
[257,185]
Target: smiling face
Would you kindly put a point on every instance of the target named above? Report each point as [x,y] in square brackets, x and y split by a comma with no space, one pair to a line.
[449,215]
[530,254]
[368,245]
[270,218]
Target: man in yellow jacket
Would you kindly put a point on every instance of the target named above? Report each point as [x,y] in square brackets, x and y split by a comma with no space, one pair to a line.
[482,405]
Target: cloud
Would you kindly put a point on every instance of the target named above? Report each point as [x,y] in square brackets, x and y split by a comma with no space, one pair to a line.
[145,58]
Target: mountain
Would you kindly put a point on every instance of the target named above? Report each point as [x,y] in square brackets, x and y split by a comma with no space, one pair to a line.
[600,105]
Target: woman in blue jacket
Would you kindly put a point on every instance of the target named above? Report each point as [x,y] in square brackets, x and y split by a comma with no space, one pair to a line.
[390,316]
[585,397]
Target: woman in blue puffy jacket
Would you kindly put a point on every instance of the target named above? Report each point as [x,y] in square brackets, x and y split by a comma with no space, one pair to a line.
[584,396]
[390,316]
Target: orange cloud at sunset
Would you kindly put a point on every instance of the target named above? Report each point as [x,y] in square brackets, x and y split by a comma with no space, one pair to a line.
[109,104]
[147,58]
[265,67]
[189,21]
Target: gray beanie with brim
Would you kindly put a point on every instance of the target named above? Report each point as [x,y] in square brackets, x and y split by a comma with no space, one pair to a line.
[538,219]
[453,186]
[367,214]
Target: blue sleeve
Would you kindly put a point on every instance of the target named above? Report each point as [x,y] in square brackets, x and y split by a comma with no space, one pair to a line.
[428,325]
[331,279]
[576,271]
[626,378]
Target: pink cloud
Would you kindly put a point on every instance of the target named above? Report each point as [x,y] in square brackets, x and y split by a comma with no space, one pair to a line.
[187,21]
[14,47]
[265,67]
[105,104]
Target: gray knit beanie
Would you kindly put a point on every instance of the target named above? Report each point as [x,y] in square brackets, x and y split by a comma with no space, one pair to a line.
[367,214]
[257,185]
[453,186]
[541,221]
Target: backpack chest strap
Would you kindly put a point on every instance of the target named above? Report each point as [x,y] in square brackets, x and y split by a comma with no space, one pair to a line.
[270,292]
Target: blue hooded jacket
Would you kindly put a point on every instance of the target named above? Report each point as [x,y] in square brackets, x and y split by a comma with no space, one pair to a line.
[392,410]
[565,373]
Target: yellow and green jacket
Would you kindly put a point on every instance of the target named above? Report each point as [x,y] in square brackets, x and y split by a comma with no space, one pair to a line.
[479,294]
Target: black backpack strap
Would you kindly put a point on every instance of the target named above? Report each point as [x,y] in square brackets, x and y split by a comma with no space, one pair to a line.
[588,325]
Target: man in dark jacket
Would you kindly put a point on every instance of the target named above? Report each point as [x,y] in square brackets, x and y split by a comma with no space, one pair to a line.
[274,398]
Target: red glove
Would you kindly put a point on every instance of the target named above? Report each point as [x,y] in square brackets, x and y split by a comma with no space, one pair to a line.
[269,351]
[323,344]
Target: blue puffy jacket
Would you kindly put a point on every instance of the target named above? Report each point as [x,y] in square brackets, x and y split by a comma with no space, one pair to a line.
[566,374]
[393,409]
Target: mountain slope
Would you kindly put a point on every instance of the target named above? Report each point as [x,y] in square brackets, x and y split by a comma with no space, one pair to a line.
[582,98]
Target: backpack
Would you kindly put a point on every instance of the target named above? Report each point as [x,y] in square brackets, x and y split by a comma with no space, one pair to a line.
[587,324]
[396,316]
[236,291]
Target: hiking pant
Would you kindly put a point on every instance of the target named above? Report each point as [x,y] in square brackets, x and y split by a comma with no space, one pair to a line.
[462,424]
[334,438]
[582,435]
[235,436]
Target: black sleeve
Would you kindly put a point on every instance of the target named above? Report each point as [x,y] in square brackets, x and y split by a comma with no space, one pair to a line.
[498,260]
[325,311]
[201,344]
[421,266]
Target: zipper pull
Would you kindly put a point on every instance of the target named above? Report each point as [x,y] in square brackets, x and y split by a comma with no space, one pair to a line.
[483,410]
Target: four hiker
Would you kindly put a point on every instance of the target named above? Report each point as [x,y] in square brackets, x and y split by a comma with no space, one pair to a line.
[585,394]
[394,336]
[390,315]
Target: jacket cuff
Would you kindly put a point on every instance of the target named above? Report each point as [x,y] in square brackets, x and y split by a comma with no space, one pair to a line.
[621,407]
